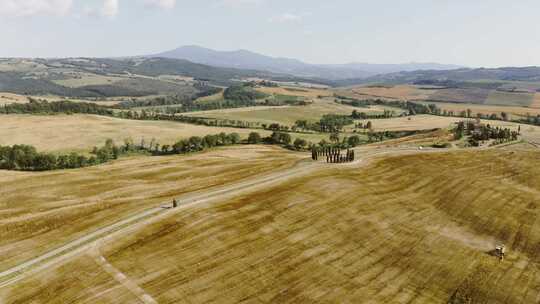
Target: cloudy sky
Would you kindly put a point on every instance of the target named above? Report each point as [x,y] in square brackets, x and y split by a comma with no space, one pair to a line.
[473,33]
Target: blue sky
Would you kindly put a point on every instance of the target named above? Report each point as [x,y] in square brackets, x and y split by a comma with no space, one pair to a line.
[473,33]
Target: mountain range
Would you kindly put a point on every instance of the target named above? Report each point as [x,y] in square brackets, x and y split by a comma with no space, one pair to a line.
[243,59]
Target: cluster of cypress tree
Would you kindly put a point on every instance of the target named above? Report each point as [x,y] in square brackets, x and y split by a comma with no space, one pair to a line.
[333,155]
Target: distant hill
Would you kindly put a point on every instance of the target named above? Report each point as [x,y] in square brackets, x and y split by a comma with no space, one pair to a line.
[101,77]
[243,59]
[506,74]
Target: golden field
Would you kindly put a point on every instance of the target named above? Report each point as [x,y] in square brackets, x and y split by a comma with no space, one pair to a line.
[297,91]
[8,98]
[400,92]
[405,228]
[82,132]
[286,115]
[40,211]
[515,112]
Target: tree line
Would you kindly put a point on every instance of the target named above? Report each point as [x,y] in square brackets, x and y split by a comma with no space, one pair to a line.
[414,108]
[35,106]
[27,158]
[477,133]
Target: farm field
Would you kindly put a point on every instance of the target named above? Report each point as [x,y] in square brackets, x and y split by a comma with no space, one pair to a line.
[486,109]
[58,133]
[39,211]
[84,79]
[8,98]
[211,98]
[400,92]
[427,122]
[296,91]
[399,229]
[410,123]
[286,115]
[510,99]
[472,95]
[536,101]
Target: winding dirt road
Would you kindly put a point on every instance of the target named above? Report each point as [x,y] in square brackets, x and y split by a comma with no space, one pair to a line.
[84,244]
[89,242]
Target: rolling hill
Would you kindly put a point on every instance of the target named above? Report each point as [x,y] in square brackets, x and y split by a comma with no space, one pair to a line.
[244,59]
[504,74]
[101,77]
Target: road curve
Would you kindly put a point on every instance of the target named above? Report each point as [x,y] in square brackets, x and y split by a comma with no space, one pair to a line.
[87,242]
[83,244]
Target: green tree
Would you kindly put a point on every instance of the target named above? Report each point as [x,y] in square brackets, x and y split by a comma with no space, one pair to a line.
[254,138]
[353,141]
[300,143]
[285,138]
[235,138]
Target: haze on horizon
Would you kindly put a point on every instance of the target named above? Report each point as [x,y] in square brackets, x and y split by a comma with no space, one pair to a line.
[481,34]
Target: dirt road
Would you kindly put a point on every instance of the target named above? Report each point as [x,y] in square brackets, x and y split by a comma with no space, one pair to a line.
[83,244]
[87,243]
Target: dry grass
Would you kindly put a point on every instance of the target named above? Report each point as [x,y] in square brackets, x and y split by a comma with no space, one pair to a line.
[82,132]
[486,109]
[426,122]
[296,91]
[509,98]
[88,284]
[286,115]
[401,92]
[82,79]
[536,101]
[408,229]
[39,211]
[211,98]
[8,98]
[418,122]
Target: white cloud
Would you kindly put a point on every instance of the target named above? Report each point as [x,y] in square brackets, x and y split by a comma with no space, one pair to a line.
[20,8]
[286,17]
[110,8]
[234,3]
[164,4]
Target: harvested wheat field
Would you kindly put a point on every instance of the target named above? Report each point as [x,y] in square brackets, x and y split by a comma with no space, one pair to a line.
[536,101]
[425,122]
[39,211]
[82,132]
[8,98]
[401,92]
[514,112]
[403,229]
[296,91]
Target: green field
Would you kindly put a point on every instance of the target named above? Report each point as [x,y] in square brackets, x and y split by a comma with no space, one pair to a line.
[509,99]
[286,115]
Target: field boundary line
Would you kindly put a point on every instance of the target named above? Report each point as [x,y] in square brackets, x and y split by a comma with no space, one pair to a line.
[120,277]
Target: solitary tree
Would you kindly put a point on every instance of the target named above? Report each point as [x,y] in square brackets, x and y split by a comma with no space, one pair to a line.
[300,143]
[254,138]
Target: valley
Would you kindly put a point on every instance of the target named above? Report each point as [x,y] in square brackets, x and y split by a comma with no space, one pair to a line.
[201,176]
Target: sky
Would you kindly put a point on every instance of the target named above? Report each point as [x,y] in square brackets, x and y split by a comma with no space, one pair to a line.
[474,33]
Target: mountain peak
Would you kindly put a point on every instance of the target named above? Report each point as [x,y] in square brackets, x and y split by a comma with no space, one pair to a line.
[246,59]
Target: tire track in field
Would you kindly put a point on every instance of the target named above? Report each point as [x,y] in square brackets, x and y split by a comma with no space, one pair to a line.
[85,243]
[121,278]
